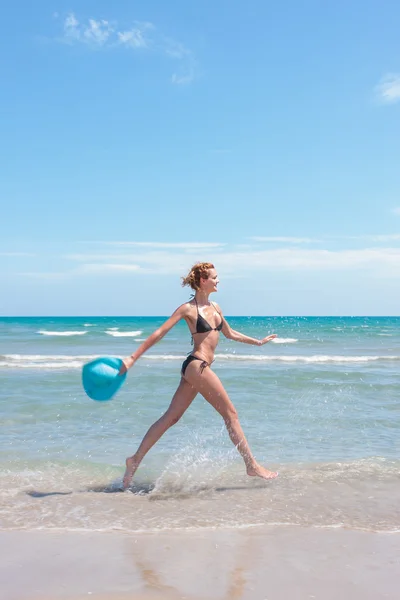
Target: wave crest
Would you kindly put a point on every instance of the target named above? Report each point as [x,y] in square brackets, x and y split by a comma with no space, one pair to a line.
[61,333]
[42,361]
[115,333]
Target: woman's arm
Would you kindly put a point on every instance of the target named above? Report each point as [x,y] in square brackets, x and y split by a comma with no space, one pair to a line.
[155,337]
[236,336]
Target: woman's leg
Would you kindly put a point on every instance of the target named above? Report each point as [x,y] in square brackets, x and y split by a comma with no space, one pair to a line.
[183,397]
[208,384]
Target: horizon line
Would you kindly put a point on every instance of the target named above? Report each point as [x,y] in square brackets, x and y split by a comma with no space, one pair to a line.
[299,316]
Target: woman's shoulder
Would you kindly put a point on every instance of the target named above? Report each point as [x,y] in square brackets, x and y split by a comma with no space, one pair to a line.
[185,308]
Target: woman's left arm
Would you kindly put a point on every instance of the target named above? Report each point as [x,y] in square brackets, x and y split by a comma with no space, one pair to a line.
[236,336]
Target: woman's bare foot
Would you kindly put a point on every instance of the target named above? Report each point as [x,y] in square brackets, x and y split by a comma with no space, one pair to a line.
[131,467]
[258,471]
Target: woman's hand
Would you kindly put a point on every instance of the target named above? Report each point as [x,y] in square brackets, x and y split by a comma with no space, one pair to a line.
[127,363]
[268,339]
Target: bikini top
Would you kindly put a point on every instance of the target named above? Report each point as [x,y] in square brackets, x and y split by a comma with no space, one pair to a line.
[202,326]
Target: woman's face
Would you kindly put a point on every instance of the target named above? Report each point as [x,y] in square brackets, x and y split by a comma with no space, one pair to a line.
[210,285]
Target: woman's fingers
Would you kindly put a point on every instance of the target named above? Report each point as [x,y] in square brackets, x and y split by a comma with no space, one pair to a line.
[127,363]
[123,369]
[269,338]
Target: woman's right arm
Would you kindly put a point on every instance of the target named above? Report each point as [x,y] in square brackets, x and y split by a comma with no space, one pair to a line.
[180,313]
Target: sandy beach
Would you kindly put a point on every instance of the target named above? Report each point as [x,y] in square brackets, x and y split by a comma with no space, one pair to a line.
[262,563]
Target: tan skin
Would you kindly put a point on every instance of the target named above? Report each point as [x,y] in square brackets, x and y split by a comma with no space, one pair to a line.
[197,380]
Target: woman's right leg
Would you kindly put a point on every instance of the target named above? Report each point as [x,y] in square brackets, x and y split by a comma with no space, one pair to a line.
[183,397]
[208,384]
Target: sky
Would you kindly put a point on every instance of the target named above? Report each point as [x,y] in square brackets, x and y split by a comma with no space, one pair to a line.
[137,138]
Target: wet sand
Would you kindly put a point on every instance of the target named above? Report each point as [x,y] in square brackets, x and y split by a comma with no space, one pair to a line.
[261,563]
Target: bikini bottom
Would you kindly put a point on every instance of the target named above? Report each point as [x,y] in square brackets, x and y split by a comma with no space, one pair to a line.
[190,359]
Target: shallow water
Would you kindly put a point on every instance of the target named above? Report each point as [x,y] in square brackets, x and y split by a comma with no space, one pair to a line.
[321,406]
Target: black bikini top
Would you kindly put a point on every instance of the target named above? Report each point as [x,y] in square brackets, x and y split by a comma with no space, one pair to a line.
[202,326]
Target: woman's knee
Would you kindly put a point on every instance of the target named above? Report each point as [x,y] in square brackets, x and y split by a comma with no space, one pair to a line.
[230,415]
[172,418]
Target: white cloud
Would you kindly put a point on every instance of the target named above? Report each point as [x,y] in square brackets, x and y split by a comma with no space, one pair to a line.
[285,240]
[388,90]
[391,237]
[181,245]
[107,267]
[295,259]
[396,211]
[178,51]
[133,38]
[188,65]
[383,238]
[100,268]
[141,35]
[168,260]
[72,30]
[160,261]
[94,33]
[240,262]
[98,32]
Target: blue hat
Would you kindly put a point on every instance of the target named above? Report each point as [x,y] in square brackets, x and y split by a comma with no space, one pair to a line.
[101,379]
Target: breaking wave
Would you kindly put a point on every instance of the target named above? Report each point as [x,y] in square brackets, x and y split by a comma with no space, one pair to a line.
[61,333]
[116,333]
[41,361]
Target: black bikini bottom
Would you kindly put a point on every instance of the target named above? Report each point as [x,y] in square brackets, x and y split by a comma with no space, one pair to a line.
[190,359]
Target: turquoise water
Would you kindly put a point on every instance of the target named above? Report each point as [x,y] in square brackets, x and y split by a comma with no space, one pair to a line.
[321,404]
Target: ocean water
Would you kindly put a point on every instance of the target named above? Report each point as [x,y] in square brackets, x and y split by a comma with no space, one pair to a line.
[320,405]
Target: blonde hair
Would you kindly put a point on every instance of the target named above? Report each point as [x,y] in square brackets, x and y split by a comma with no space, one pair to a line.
[197,272]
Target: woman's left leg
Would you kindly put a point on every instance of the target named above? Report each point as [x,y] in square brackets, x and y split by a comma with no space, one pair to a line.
[183,397]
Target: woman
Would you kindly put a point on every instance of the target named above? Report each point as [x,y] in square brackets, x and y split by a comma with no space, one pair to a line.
[205,320]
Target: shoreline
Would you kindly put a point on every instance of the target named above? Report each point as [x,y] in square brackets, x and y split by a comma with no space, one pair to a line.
[266,562]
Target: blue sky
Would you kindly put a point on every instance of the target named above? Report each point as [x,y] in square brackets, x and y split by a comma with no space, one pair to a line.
[139,137]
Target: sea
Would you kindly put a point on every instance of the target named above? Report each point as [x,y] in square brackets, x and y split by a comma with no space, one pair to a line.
[320,404]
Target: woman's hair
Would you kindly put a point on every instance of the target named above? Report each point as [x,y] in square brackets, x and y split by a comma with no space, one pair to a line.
[199,270]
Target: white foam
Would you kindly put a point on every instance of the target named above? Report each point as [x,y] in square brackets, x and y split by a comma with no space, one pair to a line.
[42,361]
[319,358]
[279,340]
[73,364]
[123,333]
[48,357]
[61,333]
[166,356]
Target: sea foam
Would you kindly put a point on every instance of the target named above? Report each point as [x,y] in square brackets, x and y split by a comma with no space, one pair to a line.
[115,333]
[41,361]
[61,333]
